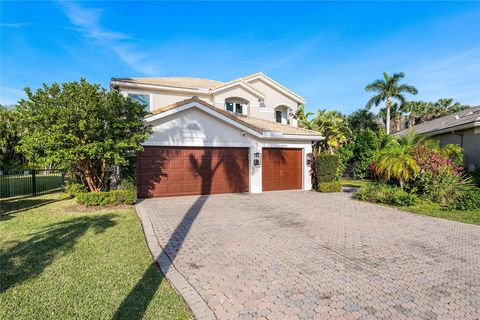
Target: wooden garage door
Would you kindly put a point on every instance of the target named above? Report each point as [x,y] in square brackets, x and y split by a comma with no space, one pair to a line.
[282,169]
[176,171]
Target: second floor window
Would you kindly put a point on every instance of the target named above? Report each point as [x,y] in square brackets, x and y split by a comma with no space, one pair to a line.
[142,99]
[234,107]
[278,116]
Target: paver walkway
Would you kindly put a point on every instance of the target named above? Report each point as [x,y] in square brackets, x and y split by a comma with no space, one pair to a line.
[294,254]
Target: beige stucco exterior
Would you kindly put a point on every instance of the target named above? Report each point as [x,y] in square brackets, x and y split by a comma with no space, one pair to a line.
[262,96]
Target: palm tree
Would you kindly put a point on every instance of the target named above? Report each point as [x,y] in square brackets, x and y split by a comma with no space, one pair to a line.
[415,110]
[388,89]
[334,128]
[302,118]
[395,160]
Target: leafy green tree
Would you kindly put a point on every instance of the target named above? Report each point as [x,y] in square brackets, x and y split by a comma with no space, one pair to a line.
[9,138]
[362,120]
[388,89]
[82,126]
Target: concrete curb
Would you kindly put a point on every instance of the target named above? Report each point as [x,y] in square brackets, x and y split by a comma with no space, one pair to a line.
[197,305]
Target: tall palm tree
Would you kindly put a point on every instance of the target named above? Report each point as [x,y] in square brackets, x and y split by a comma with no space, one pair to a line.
[387,89]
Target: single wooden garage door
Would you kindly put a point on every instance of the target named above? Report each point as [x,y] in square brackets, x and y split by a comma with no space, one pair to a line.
[282,169]
[177,171]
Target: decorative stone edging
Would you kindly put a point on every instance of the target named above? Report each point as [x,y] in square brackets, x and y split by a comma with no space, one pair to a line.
[197,305]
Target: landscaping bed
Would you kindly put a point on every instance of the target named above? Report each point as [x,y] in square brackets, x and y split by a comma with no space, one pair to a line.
[62,260]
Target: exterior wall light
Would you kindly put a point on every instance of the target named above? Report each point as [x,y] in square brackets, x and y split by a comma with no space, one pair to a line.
[257,159]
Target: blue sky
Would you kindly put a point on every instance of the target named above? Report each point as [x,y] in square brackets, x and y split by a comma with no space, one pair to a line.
[325,51]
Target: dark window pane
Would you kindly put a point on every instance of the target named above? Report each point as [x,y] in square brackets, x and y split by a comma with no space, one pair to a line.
[229,106]
[278,116]
[238,108]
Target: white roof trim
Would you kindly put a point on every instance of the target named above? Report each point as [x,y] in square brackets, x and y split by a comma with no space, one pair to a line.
[241,84]
[158,87]
[276,86]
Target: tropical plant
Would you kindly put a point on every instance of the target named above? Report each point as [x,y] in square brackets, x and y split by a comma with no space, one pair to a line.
[302,118]
[387,89]
[83,127]
[395,112]
[334,128]
[396,161]
[443,186]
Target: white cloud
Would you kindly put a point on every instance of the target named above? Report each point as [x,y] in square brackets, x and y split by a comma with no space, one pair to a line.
[10,96]
[87,23]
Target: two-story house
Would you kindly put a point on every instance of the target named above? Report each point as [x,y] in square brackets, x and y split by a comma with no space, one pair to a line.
[219,137]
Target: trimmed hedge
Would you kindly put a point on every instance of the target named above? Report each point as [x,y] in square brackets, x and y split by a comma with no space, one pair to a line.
[326,167]
[114,197]
[334,186]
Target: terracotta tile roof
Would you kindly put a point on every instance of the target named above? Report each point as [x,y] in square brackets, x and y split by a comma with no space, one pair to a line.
[199,83]
[259,125]
[175,82]
[464,117]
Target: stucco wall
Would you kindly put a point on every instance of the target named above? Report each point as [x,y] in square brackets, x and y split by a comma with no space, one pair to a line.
[193,127]
[162,98]
[471,144]
[273,98]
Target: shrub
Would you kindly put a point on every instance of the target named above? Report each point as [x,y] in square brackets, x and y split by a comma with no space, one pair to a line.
[382,193]
[468,200]
[74,188]
[326,167]
[334,186]
[114,197]
[442,187]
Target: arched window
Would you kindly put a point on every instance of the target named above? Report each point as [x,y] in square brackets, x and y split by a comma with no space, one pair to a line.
[237,105]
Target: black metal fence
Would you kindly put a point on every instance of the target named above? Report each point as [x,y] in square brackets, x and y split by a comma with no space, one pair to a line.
[30,182]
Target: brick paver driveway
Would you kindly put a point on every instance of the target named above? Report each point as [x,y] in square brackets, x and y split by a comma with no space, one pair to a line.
[289,255]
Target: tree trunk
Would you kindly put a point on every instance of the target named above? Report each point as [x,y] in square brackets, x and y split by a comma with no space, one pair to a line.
[387,124]
[397,122]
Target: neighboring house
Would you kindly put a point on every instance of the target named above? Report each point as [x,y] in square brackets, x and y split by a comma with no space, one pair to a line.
[213,137]
[461,128]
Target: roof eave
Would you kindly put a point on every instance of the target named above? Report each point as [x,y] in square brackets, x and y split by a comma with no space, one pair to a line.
[158,87]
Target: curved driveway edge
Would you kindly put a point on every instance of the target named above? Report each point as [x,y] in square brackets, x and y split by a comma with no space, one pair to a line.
[197,305]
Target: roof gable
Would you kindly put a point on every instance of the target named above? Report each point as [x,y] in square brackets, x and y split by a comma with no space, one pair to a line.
[274,84]
[255,126]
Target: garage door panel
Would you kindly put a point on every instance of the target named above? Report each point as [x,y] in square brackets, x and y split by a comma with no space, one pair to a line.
[191,171]
[282,169]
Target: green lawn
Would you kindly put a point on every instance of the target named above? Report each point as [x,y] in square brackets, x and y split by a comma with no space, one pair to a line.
[352,183]
[62,261]
[425,207]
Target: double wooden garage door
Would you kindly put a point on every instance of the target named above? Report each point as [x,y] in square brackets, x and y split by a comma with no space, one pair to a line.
[175,171]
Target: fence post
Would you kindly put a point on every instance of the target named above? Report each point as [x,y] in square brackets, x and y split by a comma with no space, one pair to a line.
[34,184]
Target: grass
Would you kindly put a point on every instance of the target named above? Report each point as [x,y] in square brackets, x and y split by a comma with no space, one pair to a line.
[60,261]
[435,210]
[426,208]
[352,183]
